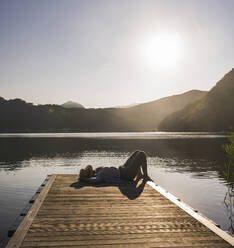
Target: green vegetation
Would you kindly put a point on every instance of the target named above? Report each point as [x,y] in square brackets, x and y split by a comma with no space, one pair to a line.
[229,176]
[147,116]
[214,112]
[229,166]
[192,111]
[19,116]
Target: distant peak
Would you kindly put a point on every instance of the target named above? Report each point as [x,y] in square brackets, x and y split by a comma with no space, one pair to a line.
[71,104]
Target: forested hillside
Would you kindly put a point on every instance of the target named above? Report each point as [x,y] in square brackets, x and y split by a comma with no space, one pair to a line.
[147,116]
[19,116]
[214,112]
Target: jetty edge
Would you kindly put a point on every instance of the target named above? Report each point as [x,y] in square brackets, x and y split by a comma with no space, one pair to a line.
[194,213]
[104,217]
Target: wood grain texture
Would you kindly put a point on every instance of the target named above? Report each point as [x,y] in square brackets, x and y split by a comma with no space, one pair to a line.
[127,215]
[22,230]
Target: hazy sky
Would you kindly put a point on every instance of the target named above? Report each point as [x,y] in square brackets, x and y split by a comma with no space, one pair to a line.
[112,52]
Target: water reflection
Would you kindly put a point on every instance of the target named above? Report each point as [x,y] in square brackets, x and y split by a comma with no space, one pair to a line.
[192,168]
[202,157]
[119,135]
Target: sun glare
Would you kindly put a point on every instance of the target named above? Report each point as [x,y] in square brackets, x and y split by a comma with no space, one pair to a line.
[163,50]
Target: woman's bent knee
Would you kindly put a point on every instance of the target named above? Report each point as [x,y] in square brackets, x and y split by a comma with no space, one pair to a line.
[141,154]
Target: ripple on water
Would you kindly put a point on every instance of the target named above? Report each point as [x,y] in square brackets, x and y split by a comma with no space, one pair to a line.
[189,169]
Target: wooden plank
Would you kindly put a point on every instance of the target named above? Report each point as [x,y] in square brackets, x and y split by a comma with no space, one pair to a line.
[20,233]
[147,245]
[75,236]
[23,213]
[153,241]
[177,232]
[108,217]
[77,221]
[205,221]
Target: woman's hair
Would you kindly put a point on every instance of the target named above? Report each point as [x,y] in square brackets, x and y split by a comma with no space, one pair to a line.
[86,172]
[98,169]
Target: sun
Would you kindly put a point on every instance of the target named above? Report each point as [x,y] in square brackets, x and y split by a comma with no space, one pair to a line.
[163,50]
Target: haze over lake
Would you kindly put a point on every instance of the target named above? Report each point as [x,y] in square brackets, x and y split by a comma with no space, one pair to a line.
[189,165]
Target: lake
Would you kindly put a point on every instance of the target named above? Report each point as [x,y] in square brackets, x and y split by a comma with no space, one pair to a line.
[189,165]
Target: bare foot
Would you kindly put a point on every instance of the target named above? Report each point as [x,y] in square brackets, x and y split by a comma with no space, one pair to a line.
[139,177]
[147,178]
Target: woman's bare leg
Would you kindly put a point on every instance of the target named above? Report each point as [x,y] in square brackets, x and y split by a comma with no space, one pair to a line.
[144,167]
[134,165]
[132,157]
[139,175]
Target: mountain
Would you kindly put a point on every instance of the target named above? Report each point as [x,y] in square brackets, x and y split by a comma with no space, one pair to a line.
[70,105]
[2,99]
[20,116]
[147,116]
[126,106]
[214,112]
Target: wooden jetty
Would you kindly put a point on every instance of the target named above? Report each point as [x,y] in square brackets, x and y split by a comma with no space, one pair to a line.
[68,214]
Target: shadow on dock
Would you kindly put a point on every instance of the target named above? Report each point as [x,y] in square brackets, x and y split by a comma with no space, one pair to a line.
[68,213]
[131,190]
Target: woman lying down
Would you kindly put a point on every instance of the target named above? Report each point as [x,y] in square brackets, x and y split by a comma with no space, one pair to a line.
[129,171]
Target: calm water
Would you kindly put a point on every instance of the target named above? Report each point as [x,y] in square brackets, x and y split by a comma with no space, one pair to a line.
[189,165]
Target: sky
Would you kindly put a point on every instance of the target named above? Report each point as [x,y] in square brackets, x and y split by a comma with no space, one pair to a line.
[103,53]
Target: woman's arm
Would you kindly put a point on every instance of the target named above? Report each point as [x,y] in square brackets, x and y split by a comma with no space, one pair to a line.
[93,180]
[97,179]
